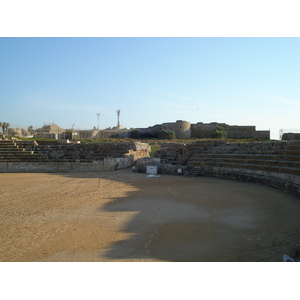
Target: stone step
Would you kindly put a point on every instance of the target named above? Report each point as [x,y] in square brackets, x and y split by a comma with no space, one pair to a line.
[25,142]
[23,159]
[238,149]
[247,156]
[279,169]
[18,153]
[289,152]
[12,150]
[294,164]
[21,156]
[164,161]
[42,142]
[81,159]
[294,147]
[178,163]
[8,146]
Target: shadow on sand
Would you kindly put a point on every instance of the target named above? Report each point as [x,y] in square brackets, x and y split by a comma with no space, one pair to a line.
[200,219]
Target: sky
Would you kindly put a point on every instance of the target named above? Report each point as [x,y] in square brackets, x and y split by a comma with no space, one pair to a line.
[233,62]
[232,80]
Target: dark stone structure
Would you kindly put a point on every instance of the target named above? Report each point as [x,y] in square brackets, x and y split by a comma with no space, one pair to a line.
[183,129]
[291,136]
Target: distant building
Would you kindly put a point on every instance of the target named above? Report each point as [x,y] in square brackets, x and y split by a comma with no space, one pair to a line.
[17,132]
[50,131]
[183,129]
[289,134]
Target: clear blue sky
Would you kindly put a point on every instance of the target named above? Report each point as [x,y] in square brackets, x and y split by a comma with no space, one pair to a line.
[238,81]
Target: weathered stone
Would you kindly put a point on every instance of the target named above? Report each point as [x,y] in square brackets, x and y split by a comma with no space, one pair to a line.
[275,163]
[183,129]
[55,156]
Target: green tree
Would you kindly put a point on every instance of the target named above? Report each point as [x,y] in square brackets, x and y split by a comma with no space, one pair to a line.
[68,134]
[219,133]
[134,134]
[166,135]
[4,126]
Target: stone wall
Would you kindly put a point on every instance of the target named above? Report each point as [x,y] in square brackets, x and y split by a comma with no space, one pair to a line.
[201,130]
[183,129]
[275,163]
[153,130]
[142,163]
[291,136]
[107,133]
[108,164]
[240,132]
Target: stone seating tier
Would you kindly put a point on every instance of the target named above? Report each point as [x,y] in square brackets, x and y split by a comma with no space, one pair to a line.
[90,152]
[276,163]
[56,151]
[10,151]
[245,158]
[28,158]
[280,168]
[15,149]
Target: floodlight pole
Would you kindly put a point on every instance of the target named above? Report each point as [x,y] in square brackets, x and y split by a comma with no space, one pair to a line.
[98,115]
[118,113]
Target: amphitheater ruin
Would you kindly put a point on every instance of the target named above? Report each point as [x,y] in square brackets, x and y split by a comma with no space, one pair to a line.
[274,163]
[66,208]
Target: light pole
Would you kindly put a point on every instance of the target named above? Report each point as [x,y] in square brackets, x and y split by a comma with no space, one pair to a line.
[118,113]
[98,115]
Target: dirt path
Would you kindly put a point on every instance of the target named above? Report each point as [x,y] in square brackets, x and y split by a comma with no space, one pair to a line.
[126,216]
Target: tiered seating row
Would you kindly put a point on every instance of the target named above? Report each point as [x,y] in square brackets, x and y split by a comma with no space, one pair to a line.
[11,151]
[55,151]
[276,163]
[272,163]
[71,152]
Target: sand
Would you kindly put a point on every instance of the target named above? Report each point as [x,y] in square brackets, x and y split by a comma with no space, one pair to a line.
[126,216]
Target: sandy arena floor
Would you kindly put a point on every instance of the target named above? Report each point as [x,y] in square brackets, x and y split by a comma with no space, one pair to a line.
[126,216]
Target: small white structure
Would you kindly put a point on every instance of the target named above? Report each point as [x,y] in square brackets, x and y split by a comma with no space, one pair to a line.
[151,169]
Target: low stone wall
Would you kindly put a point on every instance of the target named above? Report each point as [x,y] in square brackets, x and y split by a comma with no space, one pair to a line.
[142,163]
[283,181]
[108,164]
[291,136]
